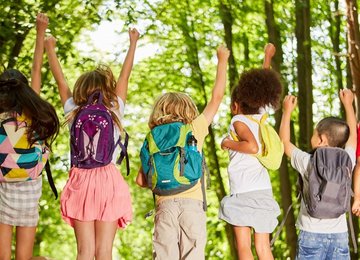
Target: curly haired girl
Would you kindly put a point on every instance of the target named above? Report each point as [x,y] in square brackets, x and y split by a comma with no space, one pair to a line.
[250,204]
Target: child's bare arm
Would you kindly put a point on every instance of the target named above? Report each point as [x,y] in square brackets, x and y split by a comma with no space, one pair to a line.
[64,90]
[347,98]
[140,179]
[269,53]
[289,105]
[356,204]
[42,22]
[243,142]
[220,84]
[122,83]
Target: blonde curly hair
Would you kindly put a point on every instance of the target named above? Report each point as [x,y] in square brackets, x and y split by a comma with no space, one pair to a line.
[173,107]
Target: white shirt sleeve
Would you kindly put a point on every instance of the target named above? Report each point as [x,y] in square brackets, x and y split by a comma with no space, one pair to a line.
[300,160]
[69,106]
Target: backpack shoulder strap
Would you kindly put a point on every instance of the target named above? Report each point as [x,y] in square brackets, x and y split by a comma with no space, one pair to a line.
[50,178]
[92,97]
[153,148]
[184,130]
[124,153]
[205,172]
[259,122]
[282,224]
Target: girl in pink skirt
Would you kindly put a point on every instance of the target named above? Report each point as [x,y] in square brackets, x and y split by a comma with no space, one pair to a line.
[96,200]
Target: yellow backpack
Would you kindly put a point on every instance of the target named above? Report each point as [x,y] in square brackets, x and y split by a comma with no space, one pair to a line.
[272,147]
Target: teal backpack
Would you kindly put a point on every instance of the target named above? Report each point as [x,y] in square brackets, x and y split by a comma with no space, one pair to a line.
[170,160]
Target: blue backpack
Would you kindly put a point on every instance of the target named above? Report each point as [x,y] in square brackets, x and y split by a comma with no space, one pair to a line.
[170,159]
[92,136]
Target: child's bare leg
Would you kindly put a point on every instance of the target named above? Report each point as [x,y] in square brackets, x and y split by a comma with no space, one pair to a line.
[5,241]
[243,242]
[85,239]
[25,237]
[262,246]
[104,238]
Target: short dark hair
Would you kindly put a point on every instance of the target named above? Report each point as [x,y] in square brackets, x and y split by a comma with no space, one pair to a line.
[335,129]
[257,88]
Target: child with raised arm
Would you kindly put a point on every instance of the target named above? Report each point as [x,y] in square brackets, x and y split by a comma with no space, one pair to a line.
[30,124]
[96,199]
[250,204]
[180,219]
[321,238]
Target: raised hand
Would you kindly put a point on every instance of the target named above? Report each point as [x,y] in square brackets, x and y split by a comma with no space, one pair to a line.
[289,103]
[42,22]
[133,35]
[346,96]
[223,53]
[269,50]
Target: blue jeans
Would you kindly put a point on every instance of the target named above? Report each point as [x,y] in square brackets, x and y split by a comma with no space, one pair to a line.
[316,246]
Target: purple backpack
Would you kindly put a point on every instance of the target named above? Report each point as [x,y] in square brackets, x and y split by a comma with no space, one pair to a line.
[92,136]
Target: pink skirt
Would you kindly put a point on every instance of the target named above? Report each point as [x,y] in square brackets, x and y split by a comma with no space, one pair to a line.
[96,194]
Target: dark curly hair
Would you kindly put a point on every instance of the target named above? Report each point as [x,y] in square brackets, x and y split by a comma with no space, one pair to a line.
[257,88]
[16,96]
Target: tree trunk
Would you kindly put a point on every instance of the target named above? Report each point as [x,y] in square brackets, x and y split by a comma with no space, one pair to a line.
[353,40]
[227,20]
[353,47]
[304,71]
[17,48]
[188,31]
[334,33]
[285,183]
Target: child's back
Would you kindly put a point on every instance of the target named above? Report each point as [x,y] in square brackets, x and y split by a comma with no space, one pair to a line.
[250,204]
[246,173]
[328,236]
[180,220]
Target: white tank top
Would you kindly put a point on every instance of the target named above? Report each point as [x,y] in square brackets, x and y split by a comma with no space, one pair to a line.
[246,173]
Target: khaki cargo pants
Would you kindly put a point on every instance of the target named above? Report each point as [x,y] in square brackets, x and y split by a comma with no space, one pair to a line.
[180,230]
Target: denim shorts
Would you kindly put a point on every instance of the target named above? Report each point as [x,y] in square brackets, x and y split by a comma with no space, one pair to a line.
[318,246]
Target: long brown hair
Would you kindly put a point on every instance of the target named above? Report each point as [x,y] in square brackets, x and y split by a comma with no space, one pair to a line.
[16,96]
[101,79]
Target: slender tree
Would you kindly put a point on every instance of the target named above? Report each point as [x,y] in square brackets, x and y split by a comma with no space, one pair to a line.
[304,72]
[354,47]
[227,21]
[285,183]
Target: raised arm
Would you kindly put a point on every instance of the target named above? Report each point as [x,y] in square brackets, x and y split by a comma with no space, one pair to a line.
[269,53]
[220,84]
[347,98]
[289,105]
[42,22]
[122,83]
[64,90]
